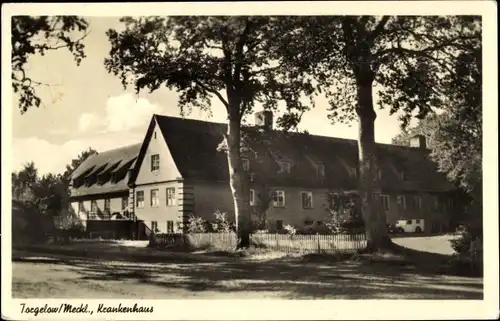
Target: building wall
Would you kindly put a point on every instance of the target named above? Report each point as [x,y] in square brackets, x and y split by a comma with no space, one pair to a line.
[209,197]
[168,170]
[163,212]
[432,215]
[115,204]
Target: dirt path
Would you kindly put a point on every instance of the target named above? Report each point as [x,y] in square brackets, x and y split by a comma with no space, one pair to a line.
[51,277]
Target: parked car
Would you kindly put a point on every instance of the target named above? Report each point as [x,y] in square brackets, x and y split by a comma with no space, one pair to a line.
[410,226]
[391,228]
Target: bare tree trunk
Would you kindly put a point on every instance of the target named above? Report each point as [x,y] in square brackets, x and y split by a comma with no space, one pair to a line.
[374,218]
[238,184]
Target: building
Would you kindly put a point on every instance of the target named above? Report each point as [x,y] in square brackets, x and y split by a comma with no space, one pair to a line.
[100,196]
[180,170]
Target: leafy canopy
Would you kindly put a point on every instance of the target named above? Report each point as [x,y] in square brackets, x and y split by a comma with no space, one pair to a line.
[409,60]
[455,134]
[235,59]
[32,35]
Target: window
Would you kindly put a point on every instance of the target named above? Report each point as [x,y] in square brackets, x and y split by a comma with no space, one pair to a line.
[81,208]
[113,178]
[171,196]
[402,176]
[279,199]
[154,226]
[384,199]
[436,202]
[402,201]
[417,203]
[124,203]
[379,174]
[375,196]
[139,199]
[155,198]
[279,225]
[285,167]
[320,169]
[308,222]
[307,200]
[154,135]
[246,164]
[170,227]
[353,173]
[93,206]
[319,222]
[155,162]
[107,205]
[408,222]
[252,197]
[417,221]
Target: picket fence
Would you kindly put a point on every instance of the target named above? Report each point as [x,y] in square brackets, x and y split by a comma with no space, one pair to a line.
[281,242]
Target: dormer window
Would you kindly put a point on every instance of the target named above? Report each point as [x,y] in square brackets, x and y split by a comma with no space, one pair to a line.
[402,176]
[245,163]
[113,178]
[285,167]
[352,172]
[320,170]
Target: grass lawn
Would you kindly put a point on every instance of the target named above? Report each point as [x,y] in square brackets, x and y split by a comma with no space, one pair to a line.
[52,276]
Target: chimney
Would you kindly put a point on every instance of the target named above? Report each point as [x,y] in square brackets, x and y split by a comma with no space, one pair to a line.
[418,141]
[264,119]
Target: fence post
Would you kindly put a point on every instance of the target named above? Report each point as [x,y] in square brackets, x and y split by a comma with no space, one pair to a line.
[319,244]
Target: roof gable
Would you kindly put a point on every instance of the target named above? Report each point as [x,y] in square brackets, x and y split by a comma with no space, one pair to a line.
[118,160]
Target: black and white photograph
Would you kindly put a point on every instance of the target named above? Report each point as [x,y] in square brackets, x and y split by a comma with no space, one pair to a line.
[236,154]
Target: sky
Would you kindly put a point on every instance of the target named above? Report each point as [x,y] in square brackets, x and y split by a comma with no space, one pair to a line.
[85,106]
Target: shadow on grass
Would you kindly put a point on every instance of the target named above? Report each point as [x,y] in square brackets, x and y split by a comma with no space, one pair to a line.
[292,279]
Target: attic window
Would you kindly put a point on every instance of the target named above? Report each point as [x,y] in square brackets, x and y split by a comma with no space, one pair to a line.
[155,162]
[113,178]
[154,135]
[285,167]
[245,164]
[320,170]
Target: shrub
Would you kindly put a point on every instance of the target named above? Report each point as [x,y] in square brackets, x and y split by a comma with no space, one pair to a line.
[290,230]
[196,225]
[221,224]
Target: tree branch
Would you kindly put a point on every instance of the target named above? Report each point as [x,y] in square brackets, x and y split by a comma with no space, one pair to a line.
[378,29]
[213,91]
[239,52]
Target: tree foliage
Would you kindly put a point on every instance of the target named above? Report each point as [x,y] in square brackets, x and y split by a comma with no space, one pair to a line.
[455,135]
[36,35]
[49,193]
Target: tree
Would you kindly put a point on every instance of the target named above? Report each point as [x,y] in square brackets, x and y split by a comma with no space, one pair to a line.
[455,135]
[75,162]
[234,59]
[409,60]
[32,35]
[24,181]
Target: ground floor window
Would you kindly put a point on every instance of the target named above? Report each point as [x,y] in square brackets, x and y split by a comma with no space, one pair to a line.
[279,225]
[154,226]
[170,226]
[93,206]
[124,203]
[107,205]
[81,208]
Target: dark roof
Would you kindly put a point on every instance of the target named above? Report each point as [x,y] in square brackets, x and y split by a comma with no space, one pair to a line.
[194,147]
[118,160]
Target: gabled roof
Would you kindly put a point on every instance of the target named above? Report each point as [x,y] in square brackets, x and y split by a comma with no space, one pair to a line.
[110,161]
[193,145]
